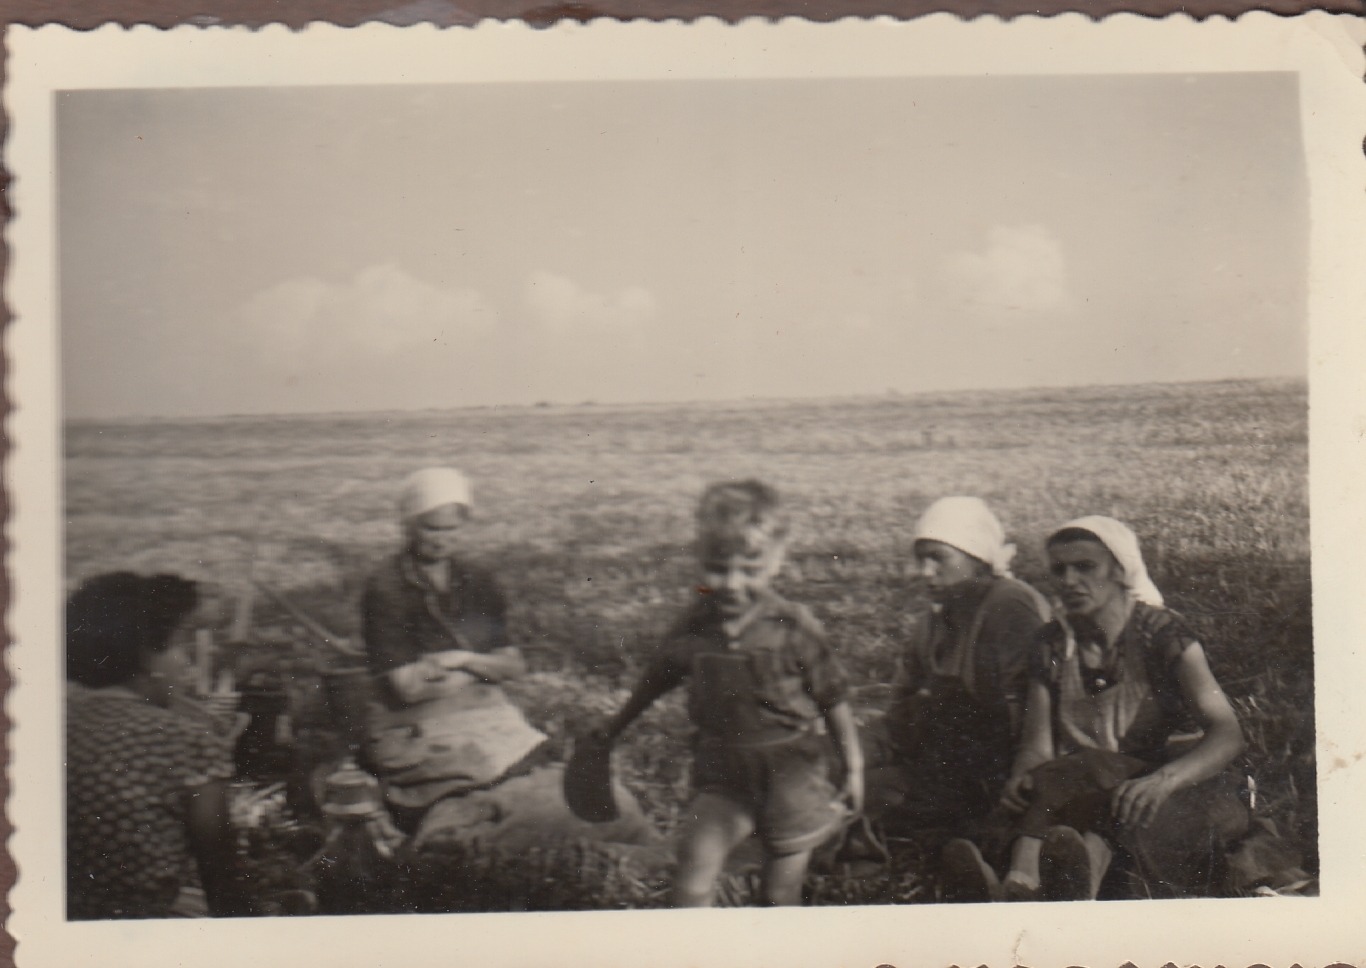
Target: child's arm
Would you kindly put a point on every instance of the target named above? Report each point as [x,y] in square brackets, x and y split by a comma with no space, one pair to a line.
[825,682]
[652,685]
[839,720]
[667,668]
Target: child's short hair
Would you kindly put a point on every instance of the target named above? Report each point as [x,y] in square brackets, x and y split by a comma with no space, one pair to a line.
[738,517]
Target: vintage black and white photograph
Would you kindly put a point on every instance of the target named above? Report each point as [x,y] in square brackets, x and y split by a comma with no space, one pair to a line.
[624,492]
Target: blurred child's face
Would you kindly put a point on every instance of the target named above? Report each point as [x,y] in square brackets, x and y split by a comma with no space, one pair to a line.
[737,580]
[943,566]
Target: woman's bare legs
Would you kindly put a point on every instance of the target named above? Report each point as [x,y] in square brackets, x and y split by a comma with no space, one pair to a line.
[1023,878]
[1101,855]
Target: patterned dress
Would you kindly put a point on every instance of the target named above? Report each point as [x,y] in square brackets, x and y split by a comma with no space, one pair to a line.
[130,767]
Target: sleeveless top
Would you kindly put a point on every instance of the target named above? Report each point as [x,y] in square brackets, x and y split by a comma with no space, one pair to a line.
[1134,705]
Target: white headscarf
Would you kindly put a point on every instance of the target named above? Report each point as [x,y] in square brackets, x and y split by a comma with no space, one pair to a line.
[1121,542]
[429,489]
[967,524]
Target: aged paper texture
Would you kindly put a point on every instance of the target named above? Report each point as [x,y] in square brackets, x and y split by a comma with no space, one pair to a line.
[237,84]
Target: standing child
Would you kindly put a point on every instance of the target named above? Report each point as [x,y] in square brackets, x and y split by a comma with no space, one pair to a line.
[761,677]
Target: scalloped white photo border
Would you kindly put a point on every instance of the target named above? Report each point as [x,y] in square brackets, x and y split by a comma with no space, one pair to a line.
[1324,50]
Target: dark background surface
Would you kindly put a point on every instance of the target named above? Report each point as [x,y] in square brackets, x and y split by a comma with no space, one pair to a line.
[87,14]
[297,13]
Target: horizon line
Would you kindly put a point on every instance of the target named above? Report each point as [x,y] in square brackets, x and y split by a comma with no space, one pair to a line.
[889,393]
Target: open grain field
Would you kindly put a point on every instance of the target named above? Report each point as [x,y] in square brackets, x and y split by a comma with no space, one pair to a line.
[585,514]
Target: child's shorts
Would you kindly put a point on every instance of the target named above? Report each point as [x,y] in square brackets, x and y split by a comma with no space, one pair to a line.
[785,785]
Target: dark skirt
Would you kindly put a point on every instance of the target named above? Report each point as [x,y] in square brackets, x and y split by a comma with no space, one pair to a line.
[1179,854]
[938,762]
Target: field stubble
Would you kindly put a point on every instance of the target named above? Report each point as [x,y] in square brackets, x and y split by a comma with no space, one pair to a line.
[585,514]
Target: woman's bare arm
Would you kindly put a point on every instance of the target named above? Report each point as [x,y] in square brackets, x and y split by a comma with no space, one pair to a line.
[1036,746]
[1137,801]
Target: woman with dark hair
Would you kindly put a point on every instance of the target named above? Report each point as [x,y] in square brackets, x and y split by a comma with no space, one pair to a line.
[1128,739]
[145,786]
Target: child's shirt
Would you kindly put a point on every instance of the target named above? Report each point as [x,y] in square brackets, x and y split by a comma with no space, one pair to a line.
[774,678]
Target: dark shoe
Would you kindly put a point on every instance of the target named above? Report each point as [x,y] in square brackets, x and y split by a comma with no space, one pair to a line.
[965,878]
[1065,866]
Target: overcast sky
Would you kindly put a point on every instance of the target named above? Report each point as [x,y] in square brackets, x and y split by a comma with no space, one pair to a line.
[254,250]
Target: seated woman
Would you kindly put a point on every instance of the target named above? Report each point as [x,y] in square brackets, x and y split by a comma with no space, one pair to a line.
[145,785]
[435,630]
[944,748]
[1127,743]
[460,763]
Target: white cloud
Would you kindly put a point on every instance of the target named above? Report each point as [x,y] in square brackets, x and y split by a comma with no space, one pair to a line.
[1022,269]
[562,305]
[382,310]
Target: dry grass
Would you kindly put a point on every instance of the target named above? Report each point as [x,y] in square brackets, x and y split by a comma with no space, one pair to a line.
[585,514]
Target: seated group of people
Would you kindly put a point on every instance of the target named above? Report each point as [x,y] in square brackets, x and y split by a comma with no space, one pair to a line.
[1052,745]
[1065,751]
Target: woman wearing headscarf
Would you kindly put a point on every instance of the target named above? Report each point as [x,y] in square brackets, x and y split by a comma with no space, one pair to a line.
[146,784]
[460,762]
[1127,744]
[435,631]
[432,620]
[944,748]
